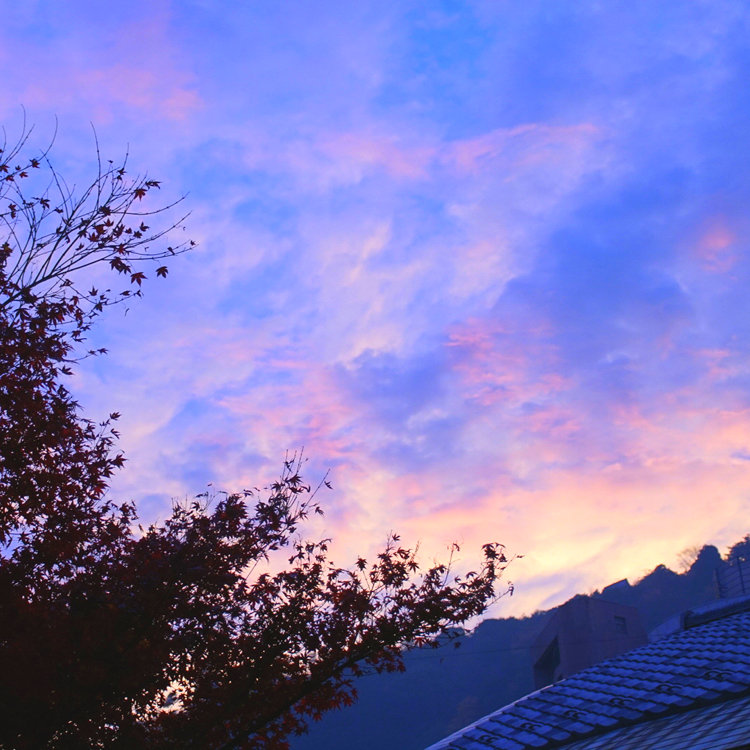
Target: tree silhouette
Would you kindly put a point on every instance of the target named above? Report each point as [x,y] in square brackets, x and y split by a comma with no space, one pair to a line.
[174,636]
[739,552]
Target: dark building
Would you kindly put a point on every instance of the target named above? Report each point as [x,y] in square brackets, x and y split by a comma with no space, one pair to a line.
[581,633]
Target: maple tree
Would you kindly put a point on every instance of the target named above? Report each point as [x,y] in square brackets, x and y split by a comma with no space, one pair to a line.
[178,635]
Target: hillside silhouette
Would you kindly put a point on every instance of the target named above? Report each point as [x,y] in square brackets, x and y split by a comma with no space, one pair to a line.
[443,690]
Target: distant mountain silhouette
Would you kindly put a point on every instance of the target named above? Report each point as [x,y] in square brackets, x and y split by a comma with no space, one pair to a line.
[446,689]
[663,593]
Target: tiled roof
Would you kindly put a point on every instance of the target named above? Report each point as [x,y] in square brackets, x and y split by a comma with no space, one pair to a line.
[714,727]
[705,664]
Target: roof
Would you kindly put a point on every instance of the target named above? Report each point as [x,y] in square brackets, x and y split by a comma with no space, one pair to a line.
[700,670]
[714,727]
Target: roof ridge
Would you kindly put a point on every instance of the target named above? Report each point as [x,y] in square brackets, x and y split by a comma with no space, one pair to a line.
[692,618]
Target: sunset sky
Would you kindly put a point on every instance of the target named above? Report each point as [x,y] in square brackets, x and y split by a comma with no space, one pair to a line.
[486,261]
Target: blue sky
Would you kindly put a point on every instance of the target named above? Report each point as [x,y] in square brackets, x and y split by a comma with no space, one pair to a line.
[486,261]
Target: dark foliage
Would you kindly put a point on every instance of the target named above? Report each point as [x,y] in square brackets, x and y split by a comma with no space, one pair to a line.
[739,552]
[167,637]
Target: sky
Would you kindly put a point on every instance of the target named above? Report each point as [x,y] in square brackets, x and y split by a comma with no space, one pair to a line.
[485,261]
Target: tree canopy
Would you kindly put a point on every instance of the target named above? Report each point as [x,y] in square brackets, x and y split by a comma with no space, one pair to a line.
[176,635]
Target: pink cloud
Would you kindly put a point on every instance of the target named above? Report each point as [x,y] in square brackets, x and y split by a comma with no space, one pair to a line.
[104,73]
[717,363]
[382,152]
[687,429]
[715,245]
[495,367]
[132,87]
[346,156]
[524,145]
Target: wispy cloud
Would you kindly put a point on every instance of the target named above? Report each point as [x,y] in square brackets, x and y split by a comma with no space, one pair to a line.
[488,263]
